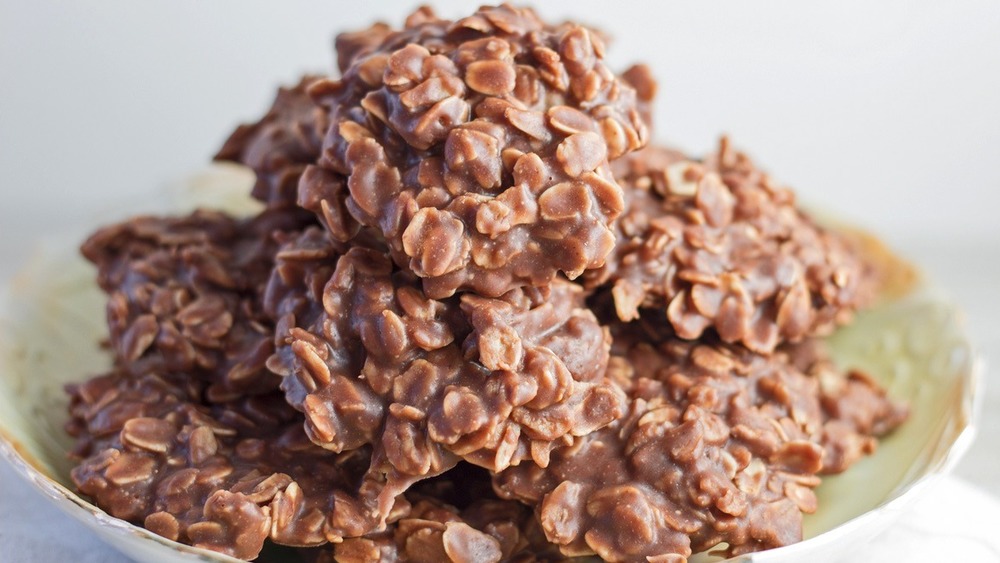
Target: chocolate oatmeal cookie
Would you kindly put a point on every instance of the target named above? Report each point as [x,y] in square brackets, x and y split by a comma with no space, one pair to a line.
[479,147]
[718,245]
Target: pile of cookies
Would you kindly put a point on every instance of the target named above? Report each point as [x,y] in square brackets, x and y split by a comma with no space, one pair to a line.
[478,318]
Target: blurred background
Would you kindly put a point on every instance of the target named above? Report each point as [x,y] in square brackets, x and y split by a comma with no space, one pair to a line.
[886,113]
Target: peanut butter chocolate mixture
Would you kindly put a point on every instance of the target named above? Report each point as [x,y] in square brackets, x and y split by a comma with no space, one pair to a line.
[361,369]
[183,293]
[223,476]
[280,146]
[719,245]
[487,532]
[454,518]
[370,360]
[479,147]
[228,477]
[718,445]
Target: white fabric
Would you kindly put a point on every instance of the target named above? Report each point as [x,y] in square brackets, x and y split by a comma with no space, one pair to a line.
[952,521]
[33,530]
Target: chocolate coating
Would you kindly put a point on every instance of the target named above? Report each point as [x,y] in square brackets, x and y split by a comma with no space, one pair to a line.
[228,477]
[719,245]
[182,294]
[718,445]
[370,360]
[225,477]
[454,518]
[479,147]
[280,145]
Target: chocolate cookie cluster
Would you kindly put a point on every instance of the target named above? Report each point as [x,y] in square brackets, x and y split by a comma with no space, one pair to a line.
[475,321]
